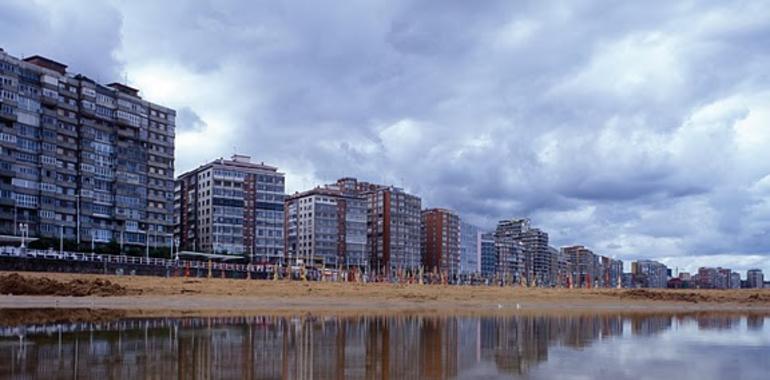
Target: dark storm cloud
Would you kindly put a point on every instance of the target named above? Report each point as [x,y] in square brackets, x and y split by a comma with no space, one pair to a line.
[636,128]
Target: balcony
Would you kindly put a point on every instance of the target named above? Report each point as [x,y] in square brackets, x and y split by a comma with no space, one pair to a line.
[7,112]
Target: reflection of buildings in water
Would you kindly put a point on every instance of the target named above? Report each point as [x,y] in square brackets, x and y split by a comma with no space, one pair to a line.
[468,342]
[580,331]
[650,325]
[755,322]
[438,348]
[514,344]
[304,348]
[717,323]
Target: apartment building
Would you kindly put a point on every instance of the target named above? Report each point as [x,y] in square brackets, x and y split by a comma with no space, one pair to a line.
[393,225]
[232,207]
[488,261]
[82,160]
[755,278]
[510,249]
[582,265]
[650,274]
[326,226]
[440,241]
[611,272]
[470,248]
[535,264]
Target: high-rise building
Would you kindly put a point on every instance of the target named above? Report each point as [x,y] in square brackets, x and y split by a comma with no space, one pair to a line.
[707,277]
[232,207]
[611,271]
[735,280]
[723,278]
[616,272]
[650,274]
[558,268]
[470,248]
[393,225]
[581,265]
[82,160]
[440,241]
[326,226]
[488,254]
[755,278]
[509,249]
[536,261]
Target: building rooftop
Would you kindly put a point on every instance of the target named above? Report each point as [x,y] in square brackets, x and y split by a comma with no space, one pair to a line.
[124,89]
[47,63]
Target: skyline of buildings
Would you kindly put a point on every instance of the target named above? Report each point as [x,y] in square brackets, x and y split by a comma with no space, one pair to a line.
[95,163]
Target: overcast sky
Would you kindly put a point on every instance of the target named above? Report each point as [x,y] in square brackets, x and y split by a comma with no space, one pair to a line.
[639,129]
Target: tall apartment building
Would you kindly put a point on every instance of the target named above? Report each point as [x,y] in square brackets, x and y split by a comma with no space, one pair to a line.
[470,248]
[232,207]
[393,225]
[755,278]
[611,272]
[581,265]
[510,249]
[326,226]
[707,278]
[535,265]
[538,257]
[488,253]
[440,241]
[558,267]
[650,274]
[81,159]
[735,280]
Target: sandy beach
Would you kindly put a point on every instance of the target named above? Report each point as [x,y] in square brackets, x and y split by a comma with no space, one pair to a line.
[156,296]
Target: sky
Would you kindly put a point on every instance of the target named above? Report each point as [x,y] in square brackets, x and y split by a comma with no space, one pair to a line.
[638,129]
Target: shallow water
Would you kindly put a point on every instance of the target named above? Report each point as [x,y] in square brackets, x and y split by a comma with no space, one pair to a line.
[696,346]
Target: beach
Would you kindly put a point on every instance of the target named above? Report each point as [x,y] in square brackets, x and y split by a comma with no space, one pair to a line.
[128,296]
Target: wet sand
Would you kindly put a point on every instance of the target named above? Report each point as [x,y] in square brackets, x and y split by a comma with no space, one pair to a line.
[156,296]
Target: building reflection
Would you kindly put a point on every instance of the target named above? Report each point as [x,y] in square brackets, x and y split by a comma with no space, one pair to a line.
[309,347]
[718,322]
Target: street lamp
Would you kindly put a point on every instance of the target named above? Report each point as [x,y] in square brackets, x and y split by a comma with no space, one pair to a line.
[77,219]
[24,229]
[176,244]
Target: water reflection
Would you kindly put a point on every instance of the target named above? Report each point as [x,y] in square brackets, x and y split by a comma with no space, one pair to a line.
[408,347]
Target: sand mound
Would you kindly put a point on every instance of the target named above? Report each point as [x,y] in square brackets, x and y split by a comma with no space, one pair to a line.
[645,294]
[41,286]
[714,296]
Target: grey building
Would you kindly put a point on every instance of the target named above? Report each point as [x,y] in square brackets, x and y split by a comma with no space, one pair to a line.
[470,248]
[82,160]
[535,263]
[755,278]
[735,280]
[650,274]
[232,207]
[326,226]
[488,254]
